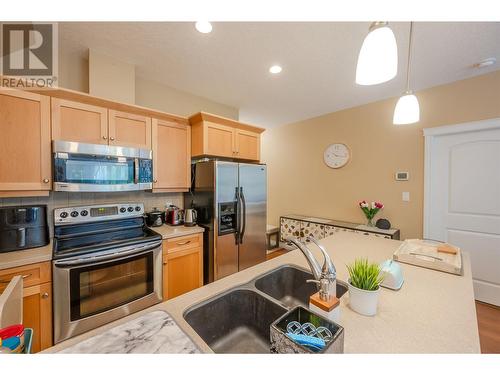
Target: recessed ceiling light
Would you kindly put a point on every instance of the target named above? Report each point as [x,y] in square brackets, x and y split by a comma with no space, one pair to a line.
[486,62]
[203,27]
[275,69]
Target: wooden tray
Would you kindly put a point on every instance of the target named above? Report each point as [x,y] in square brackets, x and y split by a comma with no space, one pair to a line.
[424,253]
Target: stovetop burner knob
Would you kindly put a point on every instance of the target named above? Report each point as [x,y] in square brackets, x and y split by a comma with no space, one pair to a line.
[63,214]
[123,209]
[84,213]
[74,213]
[130,209]
[137,208]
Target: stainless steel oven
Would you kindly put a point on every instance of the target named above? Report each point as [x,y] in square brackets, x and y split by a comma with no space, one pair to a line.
[103,269]
[90,167]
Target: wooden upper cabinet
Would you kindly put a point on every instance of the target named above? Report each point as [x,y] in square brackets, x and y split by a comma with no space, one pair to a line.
[79,122]
[171,144]
[218,136]
[24,143]
[129,130]
[218,140]
[247,144]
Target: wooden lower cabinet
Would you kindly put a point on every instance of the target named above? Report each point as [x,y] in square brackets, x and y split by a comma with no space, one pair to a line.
[37,300]
[37,314]
[182,265]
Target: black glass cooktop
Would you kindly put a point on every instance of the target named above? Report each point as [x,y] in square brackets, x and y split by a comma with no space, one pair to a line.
[78,239]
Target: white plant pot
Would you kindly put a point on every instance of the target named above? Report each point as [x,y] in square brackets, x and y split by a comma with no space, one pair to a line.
[363,301]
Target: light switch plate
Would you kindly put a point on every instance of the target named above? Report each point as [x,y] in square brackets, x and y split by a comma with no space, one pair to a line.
[406,196]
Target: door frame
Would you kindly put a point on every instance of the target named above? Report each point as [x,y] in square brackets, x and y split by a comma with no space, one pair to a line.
[430,134]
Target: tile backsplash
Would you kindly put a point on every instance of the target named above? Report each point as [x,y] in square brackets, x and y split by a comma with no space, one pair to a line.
[63,199]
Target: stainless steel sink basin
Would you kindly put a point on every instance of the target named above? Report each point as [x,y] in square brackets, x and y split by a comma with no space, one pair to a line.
[235,322]
[238,321]
[288,284]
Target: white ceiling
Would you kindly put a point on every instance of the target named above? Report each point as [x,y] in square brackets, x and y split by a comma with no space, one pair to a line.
[230,65]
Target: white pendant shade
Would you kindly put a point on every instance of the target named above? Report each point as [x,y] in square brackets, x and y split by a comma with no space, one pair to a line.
[378,58]
[407,110]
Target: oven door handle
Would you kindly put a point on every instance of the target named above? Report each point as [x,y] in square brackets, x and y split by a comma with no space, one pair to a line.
[108,257]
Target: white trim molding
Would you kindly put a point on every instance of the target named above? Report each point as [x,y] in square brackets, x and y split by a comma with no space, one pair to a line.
[492,123]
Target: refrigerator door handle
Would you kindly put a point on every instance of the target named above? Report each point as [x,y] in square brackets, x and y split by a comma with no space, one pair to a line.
[238,216]
[244,215]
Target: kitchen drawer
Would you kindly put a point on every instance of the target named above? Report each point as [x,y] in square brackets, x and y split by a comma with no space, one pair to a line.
[33,274]
[173,245]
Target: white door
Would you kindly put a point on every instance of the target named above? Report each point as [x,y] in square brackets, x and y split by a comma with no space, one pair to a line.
[462,197]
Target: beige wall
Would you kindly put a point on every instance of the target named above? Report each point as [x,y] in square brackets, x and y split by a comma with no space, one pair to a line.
[74,75]
[111,78]
[158,96]
[300,182]
[73,70]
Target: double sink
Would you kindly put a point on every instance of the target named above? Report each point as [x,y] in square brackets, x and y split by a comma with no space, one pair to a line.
[238,320]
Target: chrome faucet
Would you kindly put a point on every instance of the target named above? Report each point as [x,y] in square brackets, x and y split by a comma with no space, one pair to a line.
[326,276]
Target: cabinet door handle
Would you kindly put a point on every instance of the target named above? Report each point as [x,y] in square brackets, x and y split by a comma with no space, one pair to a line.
[104,137]
[155,180]
[45,295]
[183,243]
[111,138]
[45,180]
[165,263]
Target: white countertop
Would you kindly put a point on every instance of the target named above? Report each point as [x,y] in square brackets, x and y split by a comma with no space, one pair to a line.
[172,231]
[434,312]
[24,257]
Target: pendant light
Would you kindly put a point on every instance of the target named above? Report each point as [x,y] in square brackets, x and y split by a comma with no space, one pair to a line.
[407,109]
[378,57]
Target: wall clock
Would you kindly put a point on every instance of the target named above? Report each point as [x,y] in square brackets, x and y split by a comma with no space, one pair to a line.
[337,155]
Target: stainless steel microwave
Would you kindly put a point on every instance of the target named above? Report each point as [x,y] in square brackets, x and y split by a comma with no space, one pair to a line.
[85,167]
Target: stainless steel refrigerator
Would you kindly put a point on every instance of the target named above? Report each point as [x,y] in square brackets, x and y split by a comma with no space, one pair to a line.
[231,202]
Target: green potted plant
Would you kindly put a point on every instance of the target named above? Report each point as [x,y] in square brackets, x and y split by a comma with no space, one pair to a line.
[364,286]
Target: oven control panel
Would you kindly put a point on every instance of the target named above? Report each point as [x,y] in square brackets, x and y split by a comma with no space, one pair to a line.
[86,214]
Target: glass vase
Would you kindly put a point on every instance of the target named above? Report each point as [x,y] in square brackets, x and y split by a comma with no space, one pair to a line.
[370,222]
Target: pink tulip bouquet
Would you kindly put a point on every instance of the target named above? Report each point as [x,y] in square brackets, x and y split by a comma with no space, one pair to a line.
[370,210]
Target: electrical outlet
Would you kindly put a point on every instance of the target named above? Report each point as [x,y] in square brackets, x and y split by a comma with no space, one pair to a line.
[406,196]
[168,204]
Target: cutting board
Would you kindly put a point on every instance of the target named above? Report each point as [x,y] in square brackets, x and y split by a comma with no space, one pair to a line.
[424,253]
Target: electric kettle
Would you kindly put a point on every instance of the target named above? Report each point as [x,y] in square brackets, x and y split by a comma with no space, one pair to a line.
[190,217]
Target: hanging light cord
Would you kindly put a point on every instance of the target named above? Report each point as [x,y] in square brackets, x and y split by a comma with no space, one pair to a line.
[409,59]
